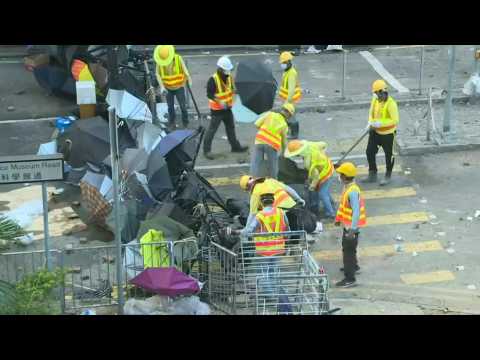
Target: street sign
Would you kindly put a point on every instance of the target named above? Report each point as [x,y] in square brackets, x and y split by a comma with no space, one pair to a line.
[31,168]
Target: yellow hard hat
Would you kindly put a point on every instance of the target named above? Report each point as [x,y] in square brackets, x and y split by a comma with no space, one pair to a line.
[289,107]
[295,148]
[163,54]
[379,85]
[285,56]
[244,180]
[347,169]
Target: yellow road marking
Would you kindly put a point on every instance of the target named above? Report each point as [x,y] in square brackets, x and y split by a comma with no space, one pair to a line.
[394,219]
[384,250]
[425,278]
[386,194]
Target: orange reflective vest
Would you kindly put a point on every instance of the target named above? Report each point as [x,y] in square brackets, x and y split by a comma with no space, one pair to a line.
[271,221]
[284,88]
[270,132]
[81,72]
[224,93]
[173,76]
[320,160]
[344,213]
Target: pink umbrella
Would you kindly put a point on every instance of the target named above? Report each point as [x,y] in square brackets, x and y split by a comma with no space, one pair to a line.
[166,281]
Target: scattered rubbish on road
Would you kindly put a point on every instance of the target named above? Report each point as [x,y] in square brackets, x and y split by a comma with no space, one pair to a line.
[329,119]
[224,138]
[441,233]
[471,287]
[75,270]
[83,240]
[88,312]
[76,203]
[451,243]
[108,259]
[406,172]
[20,92]
[26,239]
[268,61]
[85,277]
[469,218]
[459,267]
[58,191]
[414,254]
[423,201]
[450,211]
[466,164]
[477,214]
[398,248]
[432,217]
[461,219]
[321,96]
[434,222]
[398,238]
[11,108]
[450,251]
[416,226]
[206,52]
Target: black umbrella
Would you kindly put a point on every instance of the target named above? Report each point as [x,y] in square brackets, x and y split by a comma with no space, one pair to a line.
[158,176]
[289,173]
[256,85]
[90,141]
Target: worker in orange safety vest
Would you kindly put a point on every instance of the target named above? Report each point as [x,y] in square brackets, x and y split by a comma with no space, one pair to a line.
[352,216]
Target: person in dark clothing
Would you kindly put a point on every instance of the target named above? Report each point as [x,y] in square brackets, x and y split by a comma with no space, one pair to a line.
[220,93]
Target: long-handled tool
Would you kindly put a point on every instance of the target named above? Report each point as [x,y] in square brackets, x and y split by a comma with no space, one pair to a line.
[151,94]
[339,162]
[195,104]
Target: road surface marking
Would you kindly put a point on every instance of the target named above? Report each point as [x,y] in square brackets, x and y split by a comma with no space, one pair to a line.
[26,120]
[398,47]
[394,219]
[230,55]
[384,250]
[380,69]
[227,181]
[11,61]
[231,166]
[425,278]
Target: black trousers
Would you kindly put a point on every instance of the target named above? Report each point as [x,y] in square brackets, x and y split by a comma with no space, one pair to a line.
[375,141]
[227,118]
[350,262]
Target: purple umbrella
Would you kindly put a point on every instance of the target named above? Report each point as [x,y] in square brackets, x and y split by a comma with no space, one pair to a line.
[172,140]
[166,281]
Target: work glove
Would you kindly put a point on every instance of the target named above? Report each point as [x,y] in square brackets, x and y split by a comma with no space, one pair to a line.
[376,124]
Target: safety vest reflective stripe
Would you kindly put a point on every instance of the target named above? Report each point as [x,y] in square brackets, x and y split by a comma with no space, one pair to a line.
[283,93]
[80,71]
[270,222]
[224,92]
[344,213]
[280,197]
[384,130]
[173,78]
[269,138]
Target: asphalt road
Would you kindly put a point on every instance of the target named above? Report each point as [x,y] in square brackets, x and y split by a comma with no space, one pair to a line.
[424,212]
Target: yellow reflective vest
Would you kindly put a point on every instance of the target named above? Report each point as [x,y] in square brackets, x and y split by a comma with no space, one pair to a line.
[173,76]
[386,113]
[271,221]
[320,167]
[344,212]
[270,186]
[272,130]
[288,76]
[154,250]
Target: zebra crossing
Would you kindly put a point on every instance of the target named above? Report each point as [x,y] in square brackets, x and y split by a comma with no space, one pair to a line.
[325,254]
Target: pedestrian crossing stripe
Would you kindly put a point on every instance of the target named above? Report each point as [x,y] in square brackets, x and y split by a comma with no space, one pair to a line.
[384,250]
[228,181]
[426,278]
[393,219]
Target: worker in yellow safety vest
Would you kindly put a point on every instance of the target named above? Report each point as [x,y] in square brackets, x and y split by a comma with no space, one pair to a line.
[352,216]
[271,140]
[320,173]
[221,94]
[290,90]
[172,75]
[382,121]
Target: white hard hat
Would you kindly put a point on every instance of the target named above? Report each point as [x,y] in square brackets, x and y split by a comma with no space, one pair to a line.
[225,63]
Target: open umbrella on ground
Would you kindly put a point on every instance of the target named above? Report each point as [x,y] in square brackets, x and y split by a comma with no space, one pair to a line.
[148,136]
[241,113]
[167,282]
[289,172]
[158,176]
[172,140]
[88,140]
[256,85]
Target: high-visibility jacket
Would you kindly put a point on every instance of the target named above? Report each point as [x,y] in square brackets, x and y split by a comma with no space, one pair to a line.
[319,160]
[284,89]
[154,250]
[272,221]
[272,129]
[270,186]
[344,213]
[173,76]
[224,92]
[81,72]
[386,113]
